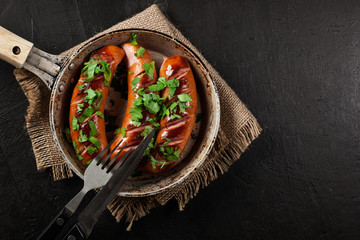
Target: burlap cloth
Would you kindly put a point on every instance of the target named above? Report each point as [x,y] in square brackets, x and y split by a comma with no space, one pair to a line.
[238,127]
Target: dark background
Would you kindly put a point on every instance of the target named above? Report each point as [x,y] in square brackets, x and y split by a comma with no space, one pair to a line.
[295,64]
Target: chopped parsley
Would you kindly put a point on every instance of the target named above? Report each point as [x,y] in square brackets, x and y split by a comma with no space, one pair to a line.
[133,39]
[152,121]
[135,81]
[136,114]
[91,150]
[86,113]
[117,131]
[146,131]
[154,162]
[166,142]
[82,137]
[81,87]
[173,116]
[149,68]
[96,66]
[93,131]
[88,162]
[123,132]
[100,114]
[139,52]
[75,124]
[95,141]
[172,85]
[77,151]
[80,106]
[184,98]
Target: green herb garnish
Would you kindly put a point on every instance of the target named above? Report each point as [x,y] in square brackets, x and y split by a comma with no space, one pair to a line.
[139,52]
[146,131]
[92,67]
[86,113]
[93,131]
[184,97]
[95,141]
[75,124]
[152,121]
[149,69]
[133,39]
[123,132]
[100,114]
[91,150]
[117,131]
[135,81]
[83,137]
[166,142]
[136,114]
[154,162]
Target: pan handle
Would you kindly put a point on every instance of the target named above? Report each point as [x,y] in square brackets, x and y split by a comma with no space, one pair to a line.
[22,54]
[14,49]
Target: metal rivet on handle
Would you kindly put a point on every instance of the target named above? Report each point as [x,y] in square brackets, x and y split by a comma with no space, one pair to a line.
[61,87]
[60,221]
[71,66]
[71,237]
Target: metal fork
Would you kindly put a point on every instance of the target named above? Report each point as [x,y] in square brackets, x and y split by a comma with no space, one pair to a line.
[97,174]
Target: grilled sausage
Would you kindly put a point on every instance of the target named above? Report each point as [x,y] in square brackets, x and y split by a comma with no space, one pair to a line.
[174,133]
[86,117]
[131,135]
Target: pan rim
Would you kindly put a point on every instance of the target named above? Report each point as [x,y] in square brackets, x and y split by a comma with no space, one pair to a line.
[216,117]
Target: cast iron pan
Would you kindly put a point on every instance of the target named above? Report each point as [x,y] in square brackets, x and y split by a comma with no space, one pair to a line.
[61,75]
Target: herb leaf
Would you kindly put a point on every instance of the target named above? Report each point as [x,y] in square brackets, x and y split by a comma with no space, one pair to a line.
[184,97]
[117,131]
[152,121]
[93,131]
[123,132]
[146,131]
[75,124]
[156,87]
[139,52]
[82,137]
[135,81]
[100,114]
[149,69]
[133,39]
[95,141]
[91,150]
[136,114]
[86,113]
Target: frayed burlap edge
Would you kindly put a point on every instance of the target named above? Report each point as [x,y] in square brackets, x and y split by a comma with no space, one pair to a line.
[37,124]
[223,155]
[228,147]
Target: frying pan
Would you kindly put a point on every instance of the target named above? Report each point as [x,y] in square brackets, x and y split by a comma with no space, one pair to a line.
[61,74]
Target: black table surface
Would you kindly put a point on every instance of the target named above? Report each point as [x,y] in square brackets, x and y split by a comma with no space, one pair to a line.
[295,64]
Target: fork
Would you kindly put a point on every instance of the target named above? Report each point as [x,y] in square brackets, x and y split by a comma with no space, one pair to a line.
[96,175]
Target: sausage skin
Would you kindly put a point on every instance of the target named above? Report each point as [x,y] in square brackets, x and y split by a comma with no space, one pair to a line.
[112,55]
[135,68]
[174,133]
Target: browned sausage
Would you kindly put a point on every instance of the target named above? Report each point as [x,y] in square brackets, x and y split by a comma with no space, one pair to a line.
[132,131]
[174,132]
[86,109]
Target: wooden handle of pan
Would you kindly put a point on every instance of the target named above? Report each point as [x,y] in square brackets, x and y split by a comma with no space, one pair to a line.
[13,49]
